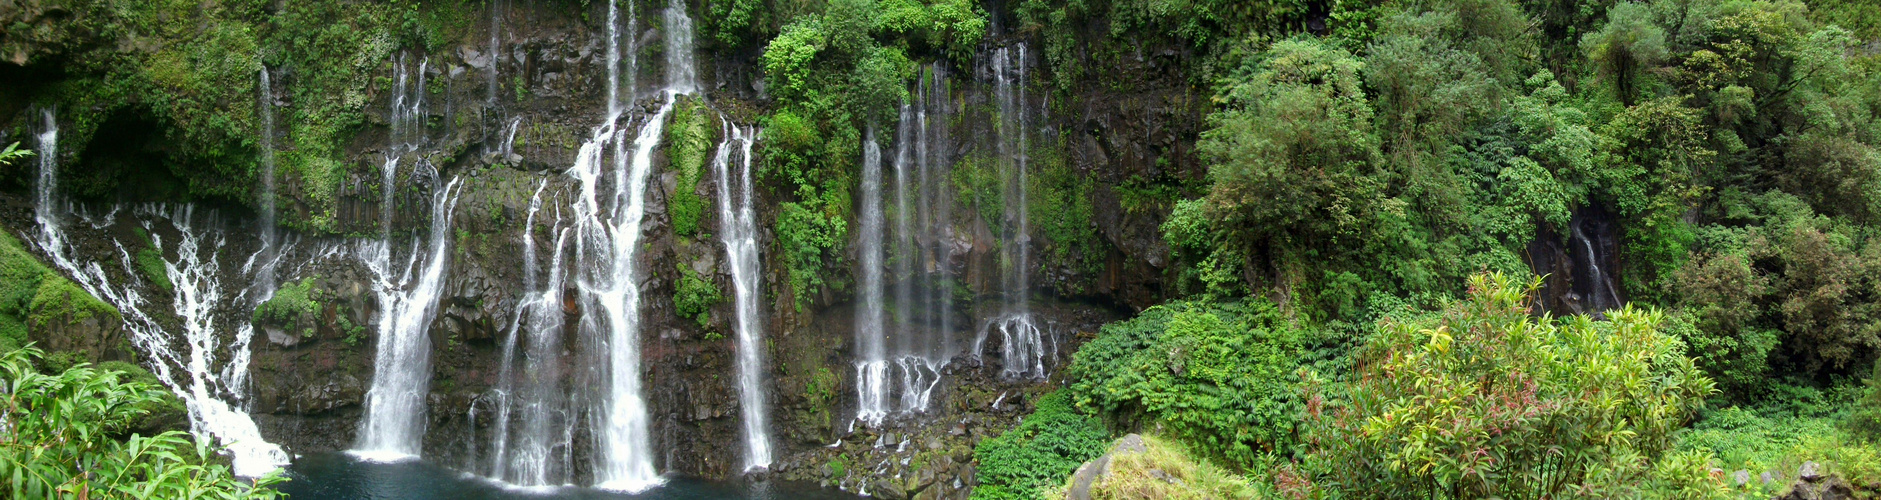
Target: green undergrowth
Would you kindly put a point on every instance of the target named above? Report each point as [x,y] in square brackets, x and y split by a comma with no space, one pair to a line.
[34,296]
[296,306]
[1030,460]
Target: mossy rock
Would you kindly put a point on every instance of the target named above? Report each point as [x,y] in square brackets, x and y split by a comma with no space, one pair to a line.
[39,305]
[295,307]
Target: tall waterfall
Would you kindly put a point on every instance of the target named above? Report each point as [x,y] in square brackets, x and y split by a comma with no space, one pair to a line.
[264,278]
[871,353]
[738,230]
[395,405]
[607,242]
[1023,342]
[541,450]
[45,211]
[393,427]
[200,375]
[904,360]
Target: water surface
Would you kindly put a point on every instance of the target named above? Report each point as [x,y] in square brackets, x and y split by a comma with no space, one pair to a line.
[338,476]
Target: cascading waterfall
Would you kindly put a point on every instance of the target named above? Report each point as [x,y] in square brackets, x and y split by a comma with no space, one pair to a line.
[921,335]
[393,428]
[394,425]
[192,375]
[872,354]
[607,241]
[739,232]
[1023,351]
[541,451]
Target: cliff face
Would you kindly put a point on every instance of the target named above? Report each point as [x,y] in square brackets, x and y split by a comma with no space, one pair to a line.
[507,122]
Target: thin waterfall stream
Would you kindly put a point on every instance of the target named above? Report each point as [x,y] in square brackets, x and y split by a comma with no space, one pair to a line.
[739,232]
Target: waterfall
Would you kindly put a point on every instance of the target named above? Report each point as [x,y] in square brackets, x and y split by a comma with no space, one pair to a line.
[45,208]
[192,375]
[496,47]
[393,427]
[681,77]
[1023,343]
[264,279]
[871,354]
[739,232]
[395,405]
[902,363]
[607,241]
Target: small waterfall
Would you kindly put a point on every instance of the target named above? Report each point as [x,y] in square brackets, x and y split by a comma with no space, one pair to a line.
[871,353]
[395,405]
[1023,350]
[541,452]
[496,47]
[45,206]
[739,232]
[681,76]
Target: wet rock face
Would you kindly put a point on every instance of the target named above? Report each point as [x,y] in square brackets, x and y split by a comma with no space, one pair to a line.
[1581,264]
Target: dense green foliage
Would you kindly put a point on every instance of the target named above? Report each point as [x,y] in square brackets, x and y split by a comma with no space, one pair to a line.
[1219,376]
[689,140]
[66,439]
[1029,459]
[295,306]
[1483,400]
[837,71]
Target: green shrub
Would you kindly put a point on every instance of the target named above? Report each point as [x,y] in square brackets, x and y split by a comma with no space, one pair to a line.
[1022,463]
[694,297]
[1221,377]
[1483,400]
[61,440]
[294,305]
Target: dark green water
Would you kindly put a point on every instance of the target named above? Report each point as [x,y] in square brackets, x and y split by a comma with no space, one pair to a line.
[338,476]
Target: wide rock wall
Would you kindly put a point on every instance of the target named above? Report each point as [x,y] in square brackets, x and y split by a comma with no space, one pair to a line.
[508,122]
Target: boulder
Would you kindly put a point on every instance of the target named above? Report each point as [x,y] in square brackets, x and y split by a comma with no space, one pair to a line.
[1099,468]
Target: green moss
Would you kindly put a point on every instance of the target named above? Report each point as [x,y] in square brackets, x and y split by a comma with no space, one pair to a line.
[32,294]
[979,186]
[59,298]
[294,305]
[689,140]
[694,297]
[1060,208]
[150,262]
